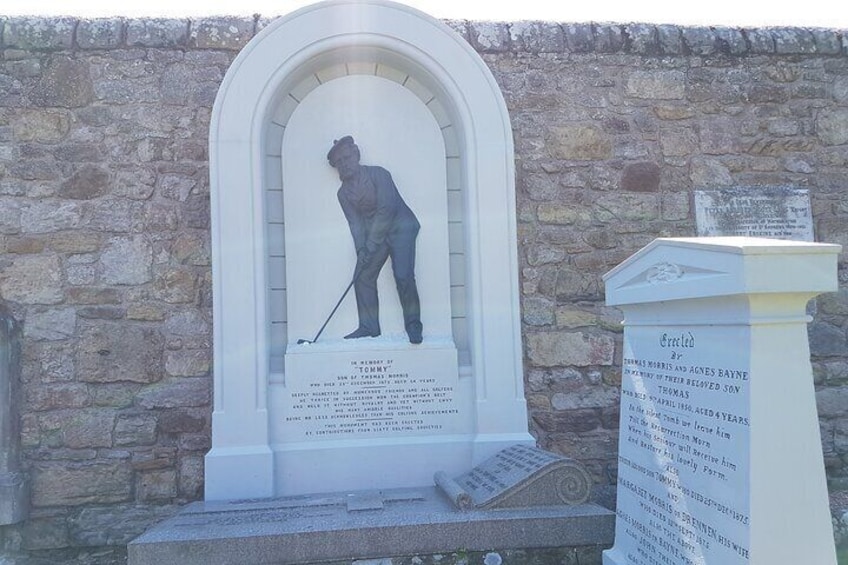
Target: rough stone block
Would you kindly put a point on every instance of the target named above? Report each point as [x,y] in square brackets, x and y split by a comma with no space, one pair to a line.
[675,206]
[50,325]
[48,361]
[699,40]
[176,286]
[98,526]
[676,142]
[181,420]
[670,39]
[832,126]
[156,485]
[570,421]
[53,396]
[116,352]
[562,214]
[707,172]
[89,181]
[10,217]
[629,206]
[32,279]
[568,317]
[490,37]
[579,38]
[65,82]
[189,323]
[587,397]
[538,311]
[609,38]
[827,340]
[598,445]
[132,430]
[191,249]
[44,533]
[80,429]
[537,37]
[793,41]
[188,363]
[74,483]
[175,393]
[831,401]
[580,143]
[146,312]
[101,33]
[731,41]
[221,33]
[33,33]
[157,33]
[643,39]
[760,40]
[641,177]
[551,349]
[126,261]
[116,395]
[40,125]
[657,85]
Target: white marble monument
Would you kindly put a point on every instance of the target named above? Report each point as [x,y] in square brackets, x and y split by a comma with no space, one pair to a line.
[720,457]
[380,412]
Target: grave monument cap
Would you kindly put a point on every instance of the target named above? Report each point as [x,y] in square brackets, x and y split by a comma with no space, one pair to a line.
[721,266]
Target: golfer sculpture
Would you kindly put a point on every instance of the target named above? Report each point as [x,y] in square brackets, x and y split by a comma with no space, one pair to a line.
[382,226]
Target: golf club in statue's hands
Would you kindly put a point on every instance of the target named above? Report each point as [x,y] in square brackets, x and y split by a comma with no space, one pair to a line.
[361,263]
[327,321]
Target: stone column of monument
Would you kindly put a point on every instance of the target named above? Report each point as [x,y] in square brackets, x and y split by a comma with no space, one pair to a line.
[14,494]
[720,457]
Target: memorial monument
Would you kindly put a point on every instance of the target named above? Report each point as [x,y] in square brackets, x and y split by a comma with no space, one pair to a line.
[421,389]
[335,444]
[719,445]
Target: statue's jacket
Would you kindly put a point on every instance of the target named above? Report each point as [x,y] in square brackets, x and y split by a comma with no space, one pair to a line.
[375,210]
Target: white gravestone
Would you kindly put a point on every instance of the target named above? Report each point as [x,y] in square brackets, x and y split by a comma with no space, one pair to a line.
[720,458]
[342,415]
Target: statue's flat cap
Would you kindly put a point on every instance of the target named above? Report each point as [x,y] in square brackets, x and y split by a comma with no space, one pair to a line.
[338,144]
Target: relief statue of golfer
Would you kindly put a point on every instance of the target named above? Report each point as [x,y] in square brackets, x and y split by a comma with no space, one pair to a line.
[382,226]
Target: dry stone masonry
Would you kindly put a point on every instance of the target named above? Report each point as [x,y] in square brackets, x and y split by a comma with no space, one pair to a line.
[105,256]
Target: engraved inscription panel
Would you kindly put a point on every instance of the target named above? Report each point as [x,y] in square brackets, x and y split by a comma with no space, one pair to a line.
[503,471]
[755,212]
[355,395]
[683,463]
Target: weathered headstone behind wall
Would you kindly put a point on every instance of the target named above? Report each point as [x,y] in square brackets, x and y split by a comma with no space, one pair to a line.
[773,212]
[719,457]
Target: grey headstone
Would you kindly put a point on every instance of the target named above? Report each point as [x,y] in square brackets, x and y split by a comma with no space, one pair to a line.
[779,213]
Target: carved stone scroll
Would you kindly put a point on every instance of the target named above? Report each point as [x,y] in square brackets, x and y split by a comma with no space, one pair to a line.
[516,477]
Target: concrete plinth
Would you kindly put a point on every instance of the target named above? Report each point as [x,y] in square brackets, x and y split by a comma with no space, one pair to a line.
[359,525]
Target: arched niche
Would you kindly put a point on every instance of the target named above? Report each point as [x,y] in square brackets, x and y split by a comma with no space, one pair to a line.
[287,62]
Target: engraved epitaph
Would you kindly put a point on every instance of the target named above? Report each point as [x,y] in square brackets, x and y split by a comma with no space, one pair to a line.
[779,213]
[716,392]
[519,476]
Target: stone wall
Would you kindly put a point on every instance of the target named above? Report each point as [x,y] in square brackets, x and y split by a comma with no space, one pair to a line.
[104,228]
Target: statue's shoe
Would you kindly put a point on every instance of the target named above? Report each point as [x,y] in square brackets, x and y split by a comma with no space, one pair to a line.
[361,332]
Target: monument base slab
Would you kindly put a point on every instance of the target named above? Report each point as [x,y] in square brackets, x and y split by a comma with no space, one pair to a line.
[359,525]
